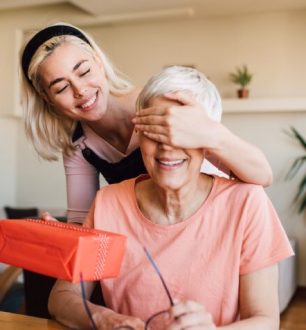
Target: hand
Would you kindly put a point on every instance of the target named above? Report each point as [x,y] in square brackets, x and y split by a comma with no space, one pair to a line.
[47,216]
[110,320]
[192,315]
[185,125]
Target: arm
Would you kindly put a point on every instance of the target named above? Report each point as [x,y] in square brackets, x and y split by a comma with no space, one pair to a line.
[82,183]
[190,127]
[258,297]
[244,160]
[258,300]
[66,306]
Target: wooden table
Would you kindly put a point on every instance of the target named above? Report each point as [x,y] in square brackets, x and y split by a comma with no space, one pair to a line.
[10,321]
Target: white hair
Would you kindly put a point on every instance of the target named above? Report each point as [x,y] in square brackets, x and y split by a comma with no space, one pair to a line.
[185,79]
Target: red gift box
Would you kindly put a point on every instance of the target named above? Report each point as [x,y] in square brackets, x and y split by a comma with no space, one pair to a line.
[61,250]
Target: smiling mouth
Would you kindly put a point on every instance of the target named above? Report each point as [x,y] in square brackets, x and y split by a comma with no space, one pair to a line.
[171,163]
[89,103]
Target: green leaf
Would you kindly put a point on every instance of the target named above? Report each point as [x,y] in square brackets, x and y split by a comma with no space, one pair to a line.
[299,137]
[303,204]
[295,167]
[300,196]
[242,76]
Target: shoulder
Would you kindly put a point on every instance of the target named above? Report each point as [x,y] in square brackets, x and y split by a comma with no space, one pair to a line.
[77,164]
[238,189]
[247,203]
[243,201]
[117,190]
[115,199]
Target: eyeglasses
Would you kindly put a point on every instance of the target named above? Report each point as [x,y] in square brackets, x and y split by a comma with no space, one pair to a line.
[94,327]
[161,317]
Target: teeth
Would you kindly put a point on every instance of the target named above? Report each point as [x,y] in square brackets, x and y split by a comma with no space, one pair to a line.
[171,162]
[89,102]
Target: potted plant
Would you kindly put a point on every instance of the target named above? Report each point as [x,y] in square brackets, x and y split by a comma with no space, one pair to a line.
[242,77]
[298,163]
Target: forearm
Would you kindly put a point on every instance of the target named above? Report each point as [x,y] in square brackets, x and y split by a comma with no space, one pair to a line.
[66,306]
[68,309]
[253,323]
[244,160]
[258,301]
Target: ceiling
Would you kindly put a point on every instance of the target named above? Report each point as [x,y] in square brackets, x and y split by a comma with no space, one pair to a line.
[196,8]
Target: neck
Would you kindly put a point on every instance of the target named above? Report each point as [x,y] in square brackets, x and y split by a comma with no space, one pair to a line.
[167,207]
[120,109]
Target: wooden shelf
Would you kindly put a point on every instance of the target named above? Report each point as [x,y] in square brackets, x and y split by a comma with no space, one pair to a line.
[252,105]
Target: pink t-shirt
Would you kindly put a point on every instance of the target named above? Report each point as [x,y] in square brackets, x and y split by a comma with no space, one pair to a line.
[236,231]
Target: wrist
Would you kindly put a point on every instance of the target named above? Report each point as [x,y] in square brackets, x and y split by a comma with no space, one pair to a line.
[101,315]
[218,138]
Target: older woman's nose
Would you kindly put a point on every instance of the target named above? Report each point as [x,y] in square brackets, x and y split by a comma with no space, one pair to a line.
[164,146]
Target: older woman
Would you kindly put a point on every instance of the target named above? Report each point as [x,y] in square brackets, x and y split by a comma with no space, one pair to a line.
[216,241]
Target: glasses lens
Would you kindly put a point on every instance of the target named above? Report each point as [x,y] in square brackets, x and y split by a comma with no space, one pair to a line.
[158,321]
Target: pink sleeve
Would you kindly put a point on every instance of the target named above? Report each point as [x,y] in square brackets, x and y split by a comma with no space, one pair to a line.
[90,217]
[264,242]
[82,183]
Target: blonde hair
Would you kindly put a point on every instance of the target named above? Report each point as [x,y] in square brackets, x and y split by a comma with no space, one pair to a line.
[49,131]
[181,78]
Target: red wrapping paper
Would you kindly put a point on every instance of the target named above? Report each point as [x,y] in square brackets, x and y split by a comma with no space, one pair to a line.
[61,250]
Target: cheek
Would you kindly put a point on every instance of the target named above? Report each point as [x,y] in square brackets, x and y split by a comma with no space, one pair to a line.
[197,157]
[60,101]
[147,147]
[63,103]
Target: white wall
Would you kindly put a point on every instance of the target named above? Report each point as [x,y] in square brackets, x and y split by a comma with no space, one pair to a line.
[8,163]
[39,183]
[272,45]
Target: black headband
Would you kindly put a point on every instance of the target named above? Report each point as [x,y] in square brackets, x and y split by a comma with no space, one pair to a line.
[41,37]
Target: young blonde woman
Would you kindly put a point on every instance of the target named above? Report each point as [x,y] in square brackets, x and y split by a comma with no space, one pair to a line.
[76,103]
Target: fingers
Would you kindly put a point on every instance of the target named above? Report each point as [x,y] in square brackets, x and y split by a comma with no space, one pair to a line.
[182,97]
[188,306]
[47,216]
[191,315]
[155,111]
[164,139]
[149,118]
[160,134]
[176,125]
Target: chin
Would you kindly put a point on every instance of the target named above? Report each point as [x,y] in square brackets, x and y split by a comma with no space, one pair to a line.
[171,183]
[95,115]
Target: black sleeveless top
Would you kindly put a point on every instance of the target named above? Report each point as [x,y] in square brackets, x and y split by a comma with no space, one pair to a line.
[129,167]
